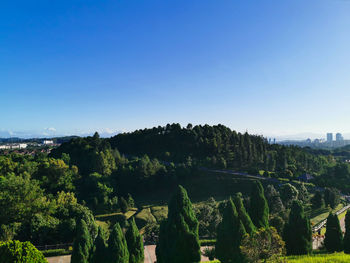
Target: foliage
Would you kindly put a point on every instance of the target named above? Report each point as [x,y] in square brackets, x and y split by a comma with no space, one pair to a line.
[98,253]
[347,233]
[178,237]
[331,197]
[208,217]
[259,209]
[117,251]
[16,251]
[334,237]
[297,231]
[288,194]
[243,215]
[274,200]
[229,235]
[82,244]
[317,200]
[262,245]
[135,243]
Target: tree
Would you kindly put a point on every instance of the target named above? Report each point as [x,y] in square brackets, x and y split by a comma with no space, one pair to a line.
[259,209]
[332,197]
[117,251]
[135,243]
[123,204]
[178,237]
[347,233]
[303,194]
[243,215]
[274,200]
[229,235]
[333,240]
[99,248]
[262,245]
[82,244]
[297,231]
[317,200]
[16,251]
[288,194]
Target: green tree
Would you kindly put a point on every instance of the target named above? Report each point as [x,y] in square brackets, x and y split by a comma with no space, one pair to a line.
[288,194]
[333,240]
[15,251]
[123,204]
[263,245]
[347,233]
[99,248]
[274,200]
[332,197]
[117,251]
[259,209]
[178,237]
[297,231]
[229,235]
[135,243]
[82,244]
[317,200]
[242,214]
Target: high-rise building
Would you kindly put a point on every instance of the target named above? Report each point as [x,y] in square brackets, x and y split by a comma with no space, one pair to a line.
[339,137]
[329,137]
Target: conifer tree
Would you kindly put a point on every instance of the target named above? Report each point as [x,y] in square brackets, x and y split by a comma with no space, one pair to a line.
[347,233]
[297,231]
[333,240]
[82,244]
[259,209]
[243,215]
[117,251]
[135,243]
[178,237]
[99,248]
[229,235]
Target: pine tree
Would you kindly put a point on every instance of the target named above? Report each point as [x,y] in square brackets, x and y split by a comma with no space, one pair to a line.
[297,231]
[135,243]
[229,235]
[333,240]
[99,248]
[347,233]
[178,237]
[259,209]
[243,215]
[117,251]
[82,244]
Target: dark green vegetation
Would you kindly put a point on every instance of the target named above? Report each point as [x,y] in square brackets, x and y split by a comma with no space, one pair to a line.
[178,237]
[334,237]
[15,251]
[131,176]
[347,234]
[297,231]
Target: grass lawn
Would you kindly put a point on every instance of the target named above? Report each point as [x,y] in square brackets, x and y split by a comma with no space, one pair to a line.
[319,215]
[321,258]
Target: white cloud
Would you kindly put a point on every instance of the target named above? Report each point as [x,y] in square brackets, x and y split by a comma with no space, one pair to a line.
[51,129]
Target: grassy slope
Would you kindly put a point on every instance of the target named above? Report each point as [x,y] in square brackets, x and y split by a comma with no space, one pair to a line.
[335,258]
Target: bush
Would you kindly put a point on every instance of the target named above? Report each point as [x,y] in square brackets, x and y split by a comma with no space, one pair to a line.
[207,242]
[56,252]
[17,252]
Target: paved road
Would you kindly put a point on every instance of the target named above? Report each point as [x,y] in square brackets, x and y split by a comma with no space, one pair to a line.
[61,259]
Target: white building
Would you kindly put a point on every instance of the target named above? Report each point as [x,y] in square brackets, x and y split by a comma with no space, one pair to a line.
[48,142]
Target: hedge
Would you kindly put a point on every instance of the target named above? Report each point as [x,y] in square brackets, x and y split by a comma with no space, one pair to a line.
[207,242]
[20,252]
[56,252]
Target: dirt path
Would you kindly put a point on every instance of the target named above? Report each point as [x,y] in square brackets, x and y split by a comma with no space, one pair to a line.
[60,259]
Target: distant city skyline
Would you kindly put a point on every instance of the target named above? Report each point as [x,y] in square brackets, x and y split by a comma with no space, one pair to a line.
[274,68]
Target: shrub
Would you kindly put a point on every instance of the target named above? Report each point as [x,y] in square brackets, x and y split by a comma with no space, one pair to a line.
[17,252]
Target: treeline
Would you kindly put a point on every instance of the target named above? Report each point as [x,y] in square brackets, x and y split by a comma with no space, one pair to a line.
[218,146]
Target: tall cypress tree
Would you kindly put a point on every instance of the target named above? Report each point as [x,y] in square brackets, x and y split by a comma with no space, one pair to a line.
[117,251]
[99,248]
[178,237]
[347,233]
[82,244]
[259,209]
[333,240]
[135,243]
[229,235]
[242,214]
[297,231]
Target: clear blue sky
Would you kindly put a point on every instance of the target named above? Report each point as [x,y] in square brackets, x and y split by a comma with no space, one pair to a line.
[269,67]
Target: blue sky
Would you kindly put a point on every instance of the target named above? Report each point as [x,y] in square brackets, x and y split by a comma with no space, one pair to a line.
[269,67]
